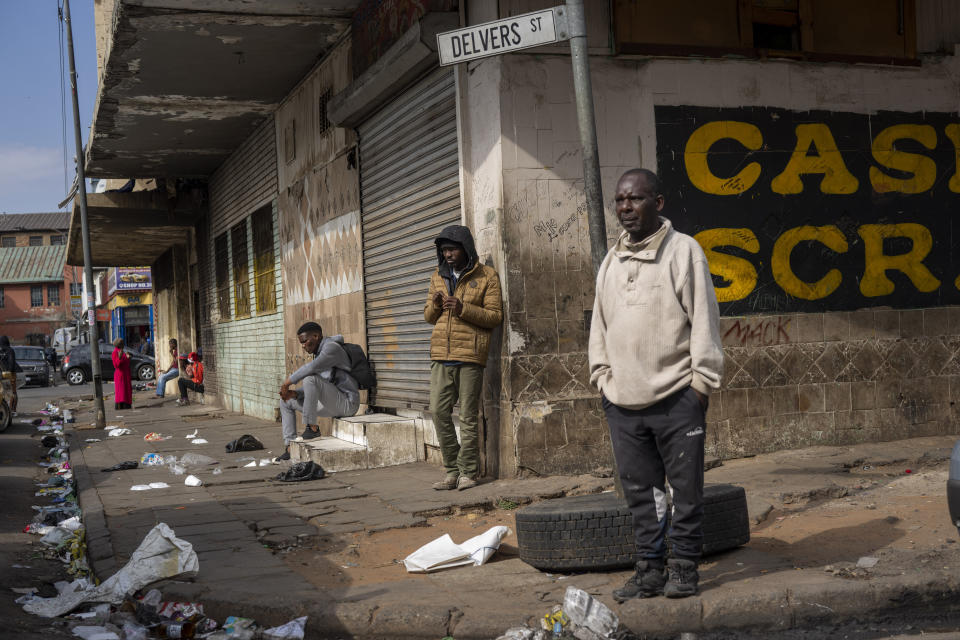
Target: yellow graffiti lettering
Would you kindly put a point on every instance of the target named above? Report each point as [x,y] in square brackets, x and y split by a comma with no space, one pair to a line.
[827,161]
[740,273]
[829,236]
[922,168]
[875,281]
[953,132]
[698,146]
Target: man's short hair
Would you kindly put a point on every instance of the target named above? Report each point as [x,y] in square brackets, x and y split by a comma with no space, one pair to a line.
[653,180]
[309,327]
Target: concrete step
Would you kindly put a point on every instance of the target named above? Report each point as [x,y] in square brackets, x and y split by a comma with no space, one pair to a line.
[362,442]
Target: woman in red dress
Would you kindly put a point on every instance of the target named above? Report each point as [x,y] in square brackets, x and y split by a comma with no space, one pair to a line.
[122,385]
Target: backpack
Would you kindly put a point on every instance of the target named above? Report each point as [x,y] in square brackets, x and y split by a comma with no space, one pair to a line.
[360,367]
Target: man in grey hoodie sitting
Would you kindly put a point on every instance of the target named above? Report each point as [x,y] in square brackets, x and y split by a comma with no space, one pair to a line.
[327,390]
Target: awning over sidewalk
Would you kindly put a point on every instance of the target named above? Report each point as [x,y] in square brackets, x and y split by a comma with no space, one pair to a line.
[185,82]
[130,229]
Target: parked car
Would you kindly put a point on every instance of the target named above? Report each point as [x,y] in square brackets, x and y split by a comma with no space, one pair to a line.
[34,363]
[76,365]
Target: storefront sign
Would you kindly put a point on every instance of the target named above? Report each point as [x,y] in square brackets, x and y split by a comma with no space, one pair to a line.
[810,211]
[133,278]
[124,299]
[502,36]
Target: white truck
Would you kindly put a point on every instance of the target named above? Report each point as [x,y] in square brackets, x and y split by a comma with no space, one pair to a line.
[66,338]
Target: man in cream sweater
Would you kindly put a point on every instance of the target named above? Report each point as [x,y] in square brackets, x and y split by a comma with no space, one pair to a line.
[655,355]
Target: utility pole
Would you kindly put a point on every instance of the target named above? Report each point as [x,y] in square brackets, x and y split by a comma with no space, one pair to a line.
[85,230]
[583,91]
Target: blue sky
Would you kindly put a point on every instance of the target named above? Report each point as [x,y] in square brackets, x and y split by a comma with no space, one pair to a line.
[31,140]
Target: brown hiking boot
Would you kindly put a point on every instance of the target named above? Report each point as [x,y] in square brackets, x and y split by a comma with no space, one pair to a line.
[447,484]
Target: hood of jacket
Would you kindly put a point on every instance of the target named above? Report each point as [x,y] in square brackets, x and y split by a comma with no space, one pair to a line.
[462,236]
[337,338]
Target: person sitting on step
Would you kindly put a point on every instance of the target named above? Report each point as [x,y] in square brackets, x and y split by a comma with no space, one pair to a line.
[193,380]
[327,390]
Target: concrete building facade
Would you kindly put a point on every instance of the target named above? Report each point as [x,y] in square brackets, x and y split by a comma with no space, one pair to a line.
[817,167]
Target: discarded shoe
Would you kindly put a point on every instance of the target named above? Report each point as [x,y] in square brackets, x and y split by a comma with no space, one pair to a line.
[447,484]
[647,582]
[310,434]
[245,442]
[465,483]
[302,471]
[682,580]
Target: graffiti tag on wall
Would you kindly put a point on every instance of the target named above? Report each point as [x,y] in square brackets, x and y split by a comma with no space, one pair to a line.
[810,211]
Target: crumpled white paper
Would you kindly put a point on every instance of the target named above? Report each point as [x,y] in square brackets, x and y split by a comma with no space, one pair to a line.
[119,431]
[443,553]
[293,630]
[160,555]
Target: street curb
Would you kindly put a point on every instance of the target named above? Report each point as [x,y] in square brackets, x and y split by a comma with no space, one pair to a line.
[100,553]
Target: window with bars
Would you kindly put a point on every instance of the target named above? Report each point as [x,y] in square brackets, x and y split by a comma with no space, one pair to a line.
[53,295]
[36,295]
[324,121]
[221,254]
[241,270]
[36,241]
[264,262]
[58,240]
[76,288]
[1,298]
[8,241]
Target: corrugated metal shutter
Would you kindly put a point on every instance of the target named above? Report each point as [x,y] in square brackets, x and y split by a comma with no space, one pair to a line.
[410,191]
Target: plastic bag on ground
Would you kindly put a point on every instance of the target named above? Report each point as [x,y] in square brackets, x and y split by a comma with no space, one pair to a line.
[245,442]
[293,630]
[92,632]
[443,553]
[196,460]
[587,612]
[119,431]
[301,471]
[160,555]
[148,459]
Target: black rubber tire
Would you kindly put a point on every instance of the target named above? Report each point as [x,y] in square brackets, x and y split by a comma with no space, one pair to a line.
[6,416]
[76,376]
[595,532]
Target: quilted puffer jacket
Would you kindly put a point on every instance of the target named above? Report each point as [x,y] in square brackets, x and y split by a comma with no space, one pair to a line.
[463,338]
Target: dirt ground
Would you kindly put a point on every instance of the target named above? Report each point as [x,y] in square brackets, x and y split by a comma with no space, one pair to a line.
[877,511]
[363,558]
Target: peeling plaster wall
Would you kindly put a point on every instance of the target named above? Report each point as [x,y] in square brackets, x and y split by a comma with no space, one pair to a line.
[319,212]
[552,416]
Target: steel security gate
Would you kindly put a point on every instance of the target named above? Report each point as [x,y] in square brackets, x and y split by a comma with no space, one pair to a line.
[410,191]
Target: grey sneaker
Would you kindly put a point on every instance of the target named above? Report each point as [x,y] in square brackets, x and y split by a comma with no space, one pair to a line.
[447,484]
[647,582]
[465,483]
[682,578]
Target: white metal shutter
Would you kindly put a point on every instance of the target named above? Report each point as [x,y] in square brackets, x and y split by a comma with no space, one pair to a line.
[410,191]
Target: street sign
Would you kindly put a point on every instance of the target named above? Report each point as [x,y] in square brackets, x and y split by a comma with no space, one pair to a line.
[502,36]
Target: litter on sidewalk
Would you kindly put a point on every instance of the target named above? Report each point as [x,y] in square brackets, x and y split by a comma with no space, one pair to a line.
[299,472]
[160,555]
[122,466]
[119,431]
[443,553]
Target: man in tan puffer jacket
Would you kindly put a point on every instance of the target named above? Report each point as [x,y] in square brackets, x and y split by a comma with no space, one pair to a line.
[464,306]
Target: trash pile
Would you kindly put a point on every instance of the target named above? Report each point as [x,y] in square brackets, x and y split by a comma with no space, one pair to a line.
[58,522]
[122,607]
[581,616]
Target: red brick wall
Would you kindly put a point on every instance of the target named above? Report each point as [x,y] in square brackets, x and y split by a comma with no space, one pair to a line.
[18,319]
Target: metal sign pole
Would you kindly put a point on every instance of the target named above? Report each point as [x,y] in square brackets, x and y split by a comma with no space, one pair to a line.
[85,230]
[583,90]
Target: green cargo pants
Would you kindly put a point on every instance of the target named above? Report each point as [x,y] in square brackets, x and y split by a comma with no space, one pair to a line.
[461,382]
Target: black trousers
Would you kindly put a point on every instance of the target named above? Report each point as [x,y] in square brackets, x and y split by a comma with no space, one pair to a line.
[662,441]
[185,384]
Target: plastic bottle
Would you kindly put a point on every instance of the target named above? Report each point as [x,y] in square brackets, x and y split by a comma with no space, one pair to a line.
[173,629]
